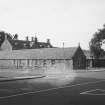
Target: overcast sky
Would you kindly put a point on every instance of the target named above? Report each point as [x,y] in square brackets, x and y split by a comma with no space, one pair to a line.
[68,21]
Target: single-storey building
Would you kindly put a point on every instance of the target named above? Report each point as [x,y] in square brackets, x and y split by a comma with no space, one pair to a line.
[72,57]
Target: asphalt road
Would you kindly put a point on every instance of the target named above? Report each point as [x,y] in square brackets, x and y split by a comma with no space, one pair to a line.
[80,91]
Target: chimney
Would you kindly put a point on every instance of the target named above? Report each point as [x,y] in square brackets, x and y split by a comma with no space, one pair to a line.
[63,44]
[48,41]
[27,39]
[32,39]
[36,39]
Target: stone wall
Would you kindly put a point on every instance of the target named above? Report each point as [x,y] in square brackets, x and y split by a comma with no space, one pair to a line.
[35,64]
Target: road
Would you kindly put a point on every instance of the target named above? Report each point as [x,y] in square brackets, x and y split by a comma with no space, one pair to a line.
[79,91]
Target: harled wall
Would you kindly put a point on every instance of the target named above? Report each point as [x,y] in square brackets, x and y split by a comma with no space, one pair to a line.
[35,64]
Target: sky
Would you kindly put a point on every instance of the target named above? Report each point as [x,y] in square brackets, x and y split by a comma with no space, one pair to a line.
[62,21]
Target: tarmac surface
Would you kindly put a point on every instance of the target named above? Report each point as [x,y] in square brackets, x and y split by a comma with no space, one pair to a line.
[87,88]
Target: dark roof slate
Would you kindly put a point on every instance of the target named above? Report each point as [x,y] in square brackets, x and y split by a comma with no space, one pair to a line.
[23,44]
[45,53]
[19,44]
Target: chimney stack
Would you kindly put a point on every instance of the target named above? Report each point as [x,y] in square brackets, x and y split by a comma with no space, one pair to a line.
[36,39]
[27,39]
[48,41]
[32,39]
[63,44]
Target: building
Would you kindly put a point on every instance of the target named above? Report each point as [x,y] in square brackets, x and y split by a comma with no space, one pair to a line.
[70,58]
[22,44]
[89,58]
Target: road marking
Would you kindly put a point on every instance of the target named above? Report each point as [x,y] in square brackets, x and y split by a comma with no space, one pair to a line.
[91,92]
[45,90]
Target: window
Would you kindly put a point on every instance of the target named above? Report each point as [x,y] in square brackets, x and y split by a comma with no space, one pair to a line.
[44,62]
[16,43]
[52,61]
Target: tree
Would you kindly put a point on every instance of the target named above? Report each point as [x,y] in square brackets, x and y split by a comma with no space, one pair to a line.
[2,36]
[15,36]
[96,43]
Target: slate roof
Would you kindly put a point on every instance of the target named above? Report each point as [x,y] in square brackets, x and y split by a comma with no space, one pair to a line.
[23,44]
[45,53]
[42,45]
[19,44]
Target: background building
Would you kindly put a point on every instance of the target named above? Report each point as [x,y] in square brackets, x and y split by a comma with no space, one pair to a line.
[22,44]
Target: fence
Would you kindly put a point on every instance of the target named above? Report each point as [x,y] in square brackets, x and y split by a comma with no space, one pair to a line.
[92,63]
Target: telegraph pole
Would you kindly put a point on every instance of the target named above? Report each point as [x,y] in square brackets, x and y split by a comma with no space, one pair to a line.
[63,44]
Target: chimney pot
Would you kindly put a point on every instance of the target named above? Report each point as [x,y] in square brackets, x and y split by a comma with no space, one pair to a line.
[36,39]
[48,41]
[32,38]
[27,39]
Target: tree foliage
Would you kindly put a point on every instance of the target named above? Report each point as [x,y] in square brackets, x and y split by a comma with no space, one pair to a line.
[15,36]
[2,36]
[96,43]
